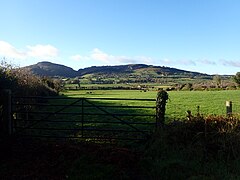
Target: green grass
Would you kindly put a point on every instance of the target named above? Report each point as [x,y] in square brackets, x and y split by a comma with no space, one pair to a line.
[210,102]
[180,151]
[125,85]
[111,94]
[92,115]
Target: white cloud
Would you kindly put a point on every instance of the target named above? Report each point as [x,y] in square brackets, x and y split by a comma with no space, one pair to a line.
[230,63]
[78,57]
[128,60]
[8,50]
[98,55]
[167,61]
[37,51]
[108,59]
[184,62]
[207,61]
[187,62]
[145,60]
[42,51]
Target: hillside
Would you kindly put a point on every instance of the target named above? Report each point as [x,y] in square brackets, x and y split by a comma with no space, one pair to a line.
[52,69]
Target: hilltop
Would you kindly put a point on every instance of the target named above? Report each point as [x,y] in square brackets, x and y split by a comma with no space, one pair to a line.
[51,69]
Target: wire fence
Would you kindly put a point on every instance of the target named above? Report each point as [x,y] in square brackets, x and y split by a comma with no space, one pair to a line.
[178,110]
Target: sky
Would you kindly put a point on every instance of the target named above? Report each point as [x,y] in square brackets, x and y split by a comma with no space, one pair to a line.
[194,35]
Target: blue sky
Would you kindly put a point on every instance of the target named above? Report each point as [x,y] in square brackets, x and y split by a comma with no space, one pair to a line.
[196,35]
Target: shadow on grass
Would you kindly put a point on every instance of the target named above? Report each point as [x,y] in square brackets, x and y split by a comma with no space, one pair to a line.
[88,119]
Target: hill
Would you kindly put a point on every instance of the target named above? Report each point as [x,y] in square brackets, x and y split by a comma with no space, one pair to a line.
[51,69]
[134,68]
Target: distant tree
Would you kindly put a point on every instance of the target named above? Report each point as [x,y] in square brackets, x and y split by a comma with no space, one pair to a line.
[218,80]
[76,81]
[236,78]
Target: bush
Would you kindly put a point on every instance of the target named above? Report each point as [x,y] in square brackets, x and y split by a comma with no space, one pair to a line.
[201,147]
[162,97]
[23,83]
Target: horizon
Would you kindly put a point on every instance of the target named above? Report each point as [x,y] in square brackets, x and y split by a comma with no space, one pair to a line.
[121,65]
[198,36]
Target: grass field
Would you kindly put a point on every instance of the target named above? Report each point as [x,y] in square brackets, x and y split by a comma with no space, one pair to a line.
[110,116]
[191,150]
[210,102]
[124,85]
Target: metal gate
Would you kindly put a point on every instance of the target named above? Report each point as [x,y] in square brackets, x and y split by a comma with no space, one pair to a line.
[83,118]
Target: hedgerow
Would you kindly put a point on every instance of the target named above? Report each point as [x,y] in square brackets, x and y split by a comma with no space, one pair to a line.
[22,82]
[198,148]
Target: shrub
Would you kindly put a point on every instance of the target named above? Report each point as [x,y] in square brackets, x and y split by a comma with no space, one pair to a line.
[204,147]
[162,97]
[236,78]
[22,82]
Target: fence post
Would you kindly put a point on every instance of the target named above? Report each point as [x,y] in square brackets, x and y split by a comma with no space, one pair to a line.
[161,101]
[228,108]
[6,113]
[82,119]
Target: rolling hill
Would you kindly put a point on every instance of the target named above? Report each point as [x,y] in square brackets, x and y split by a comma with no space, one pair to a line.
[51,69]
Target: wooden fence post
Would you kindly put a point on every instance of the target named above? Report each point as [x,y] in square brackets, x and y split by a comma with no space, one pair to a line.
[228,108]
[6,113]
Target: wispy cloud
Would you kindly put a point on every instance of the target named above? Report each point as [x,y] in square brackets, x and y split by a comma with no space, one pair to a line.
[187,62]
[169,62]
[98,55]
[230,63]
[78,57]
[207,61]
[36,51]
